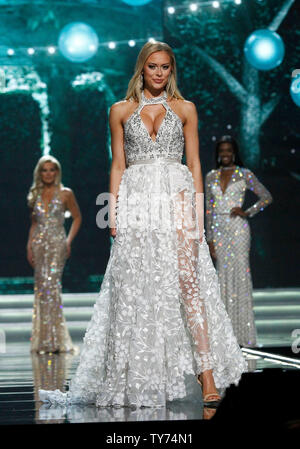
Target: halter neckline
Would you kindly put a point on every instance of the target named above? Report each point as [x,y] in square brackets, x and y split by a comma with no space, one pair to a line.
[155,100]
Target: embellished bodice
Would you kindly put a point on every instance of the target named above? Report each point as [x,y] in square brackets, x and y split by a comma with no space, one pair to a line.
[54,217]
[169,142]
[221,203]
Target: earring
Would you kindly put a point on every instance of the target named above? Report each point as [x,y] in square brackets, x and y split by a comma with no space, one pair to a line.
[219,159]
[233,158]
[141,81]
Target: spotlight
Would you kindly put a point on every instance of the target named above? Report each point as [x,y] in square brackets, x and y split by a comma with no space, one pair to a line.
[131,43]
[31,51]
[10,52]
[112,45]
[216,4]
[152,40]
[171,10]
[237,2]
[193,6]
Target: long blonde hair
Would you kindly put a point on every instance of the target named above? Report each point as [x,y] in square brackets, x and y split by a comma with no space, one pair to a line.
[37,184]
[136,86]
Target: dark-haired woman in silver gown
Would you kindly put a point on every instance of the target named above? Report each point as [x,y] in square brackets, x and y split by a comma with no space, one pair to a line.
[228,234]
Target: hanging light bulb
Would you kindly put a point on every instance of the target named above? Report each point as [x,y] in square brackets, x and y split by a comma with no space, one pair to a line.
[51,50]
[193,7]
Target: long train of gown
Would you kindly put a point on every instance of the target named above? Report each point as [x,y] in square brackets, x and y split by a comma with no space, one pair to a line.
[159,317]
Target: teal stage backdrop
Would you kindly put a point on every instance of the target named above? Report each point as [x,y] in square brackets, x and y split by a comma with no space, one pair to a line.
[51,104]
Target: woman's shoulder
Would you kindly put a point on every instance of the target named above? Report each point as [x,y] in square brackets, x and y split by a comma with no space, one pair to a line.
[211,174]
[246,171]
[185,109]
[122,109]
[185,105]
[66,191]
[122,105]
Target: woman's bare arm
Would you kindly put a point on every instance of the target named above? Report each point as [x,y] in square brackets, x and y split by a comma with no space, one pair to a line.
[72,206]
[118,159]
[30,237]
[190,130]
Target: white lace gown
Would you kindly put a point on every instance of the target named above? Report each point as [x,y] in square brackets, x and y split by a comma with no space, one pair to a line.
[159,317]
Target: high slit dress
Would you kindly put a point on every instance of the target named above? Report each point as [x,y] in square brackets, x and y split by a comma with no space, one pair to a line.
[159,318]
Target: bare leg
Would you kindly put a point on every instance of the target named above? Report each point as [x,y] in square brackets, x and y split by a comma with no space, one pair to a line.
[188,247]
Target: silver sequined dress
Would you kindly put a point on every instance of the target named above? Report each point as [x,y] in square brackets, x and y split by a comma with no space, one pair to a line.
[231,238]
[49,330]
[159,318]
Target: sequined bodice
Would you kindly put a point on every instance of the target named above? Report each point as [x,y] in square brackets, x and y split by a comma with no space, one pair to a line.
[55,215]
[169,142]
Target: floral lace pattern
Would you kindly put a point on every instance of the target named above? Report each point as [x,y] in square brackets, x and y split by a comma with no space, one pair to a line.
[159,317]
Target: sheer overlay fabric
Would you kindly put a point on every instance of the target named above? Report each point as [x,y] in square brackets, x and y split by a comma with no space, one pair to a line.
[159,319]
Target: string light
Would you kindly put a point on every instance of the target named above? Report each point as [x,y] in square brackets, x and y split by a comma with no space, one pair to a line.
[197,5]
[51,49]
[171,10]
[193,7]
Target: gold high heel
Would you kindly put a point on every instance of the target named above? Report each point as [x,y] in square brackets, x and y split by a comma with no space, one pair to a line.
[208,395]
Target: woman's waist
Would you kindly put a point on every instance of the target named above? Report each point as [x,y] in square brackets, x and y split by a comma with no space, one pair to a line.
[50,227]
[155,160]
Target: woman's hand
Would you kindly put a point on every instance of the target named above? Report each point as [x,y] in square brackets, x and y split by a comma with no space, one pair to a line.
[113,232]
[30,256]
[212,250]
[238,211]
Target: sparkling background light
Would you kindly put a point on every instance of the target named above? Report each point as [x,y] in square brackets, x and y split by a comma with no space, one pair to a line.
[78,42]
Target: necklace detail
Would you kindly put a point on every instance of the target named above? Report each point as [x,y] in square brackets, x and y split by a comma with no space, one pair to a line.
[155,100]
[232,167]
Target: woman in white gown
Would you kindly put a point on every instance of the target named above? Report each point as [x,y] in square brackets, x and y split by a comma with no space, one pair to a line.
[159,316]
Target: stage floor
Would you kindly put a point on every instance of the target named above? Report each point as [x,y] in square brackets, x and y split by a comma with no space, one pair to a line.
[22,375]
[267,393]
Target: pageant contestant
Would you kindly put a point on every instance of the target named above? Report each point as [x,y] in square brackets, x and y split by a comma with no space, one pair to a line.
[159,316]
[228,234]
[47,251]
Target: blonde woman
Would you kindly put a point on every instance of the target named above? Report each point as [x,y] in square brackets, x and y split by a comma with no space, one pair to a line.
[47,251]
[159,324]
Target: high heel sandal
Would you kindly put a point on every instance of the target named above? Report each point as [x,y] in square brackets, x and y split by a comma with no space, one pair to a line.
[206,398]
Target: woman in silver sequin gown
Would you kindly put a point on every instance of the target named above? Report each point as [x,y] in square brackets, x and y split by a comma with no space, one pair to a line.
[228,234]
[159,321]
[47,251]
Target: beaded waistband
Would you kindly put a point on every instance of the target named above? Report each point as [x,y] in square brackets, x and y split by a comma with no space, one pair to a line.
[155,161]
